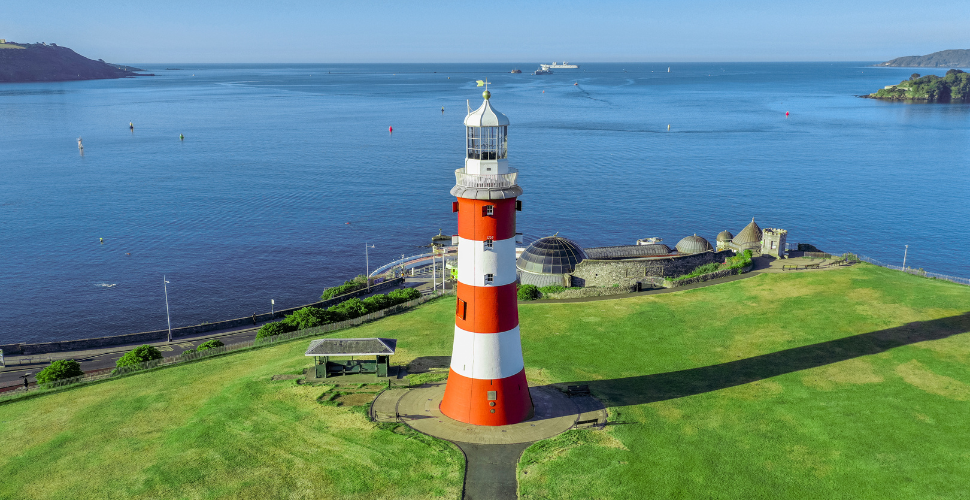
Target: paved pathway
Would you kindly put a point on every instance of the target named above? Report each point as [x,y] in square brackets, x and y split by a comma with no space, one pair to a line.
[491,453]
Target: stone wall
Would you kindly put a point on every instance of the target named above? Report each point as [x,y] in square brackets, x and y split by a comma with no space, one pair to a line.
[576,293]
[606,273]
[155,336]
[705,277]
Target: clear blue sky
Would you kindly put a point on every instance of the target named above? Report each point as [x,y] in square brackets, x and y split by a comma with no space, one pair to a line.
[490,31]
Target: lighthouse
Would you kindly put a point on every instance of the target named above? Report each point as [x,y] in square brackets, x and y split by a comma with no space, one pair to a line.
[486,381]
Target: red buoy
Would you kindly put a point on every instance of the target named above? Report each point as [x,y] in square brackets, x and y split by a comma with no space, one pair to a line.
[786,114]
[390,129]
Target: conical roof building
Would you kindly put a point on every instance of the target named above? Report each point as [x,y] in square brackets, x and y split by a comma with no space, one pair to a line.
[750,234]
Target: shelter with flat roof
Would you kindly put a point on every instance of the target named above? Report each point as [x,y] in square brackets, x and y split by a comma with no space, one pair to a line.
[323,350]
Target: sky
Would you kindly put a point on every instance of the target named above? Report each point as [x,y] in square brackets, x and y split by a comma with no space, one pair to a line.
[218,31]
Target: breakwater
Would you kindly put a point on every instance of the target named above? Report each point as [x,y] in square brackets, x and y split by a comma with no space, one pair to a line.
[157,335]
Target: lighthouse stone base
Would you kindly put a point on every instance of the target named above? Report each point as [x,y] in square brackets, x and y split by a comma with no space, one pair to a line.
[555,413]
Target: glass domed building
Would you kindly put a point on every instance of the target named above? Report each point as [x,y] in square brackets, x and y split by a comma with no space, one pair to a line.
[548,260]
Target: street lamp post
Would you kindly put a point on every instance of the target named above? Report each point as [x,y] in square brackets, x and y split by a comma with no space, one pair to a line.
[904,257]
[367,264]
[272,307]
[167,313]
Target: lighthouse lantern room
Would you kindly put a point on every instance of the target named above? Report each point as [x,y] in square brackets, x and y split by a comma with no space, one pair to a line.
[486,381]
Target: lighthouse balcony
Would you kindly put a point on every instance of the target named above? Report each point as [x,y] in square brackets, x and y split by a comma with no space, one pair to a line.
[486,181]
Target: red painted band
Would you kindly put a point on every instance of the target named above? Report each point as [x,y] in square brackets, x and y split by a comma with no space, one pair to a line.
[473,224]
[487,309]
[467,400]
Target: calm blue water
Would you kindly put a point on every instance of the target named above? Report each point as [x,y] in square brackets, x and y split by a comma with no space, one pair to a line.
[253,205]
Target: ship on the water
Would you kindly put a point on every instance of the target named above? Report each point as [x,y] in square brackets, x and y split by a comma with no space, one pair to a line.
[563,65]
[516,71]
[543,70]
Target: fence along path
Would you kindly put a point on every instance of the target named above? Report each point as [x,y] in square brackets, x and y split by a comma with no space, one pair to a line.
[915,272]
[16,391]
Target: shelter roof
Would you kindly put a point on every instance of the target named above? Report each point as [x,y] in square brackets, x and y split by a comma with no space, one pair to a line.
[725,236]
[352,347]
[485,116]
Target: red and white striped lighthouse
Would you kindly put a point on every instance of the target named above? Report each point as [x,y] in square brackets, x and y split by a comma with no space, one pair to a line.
[486,382]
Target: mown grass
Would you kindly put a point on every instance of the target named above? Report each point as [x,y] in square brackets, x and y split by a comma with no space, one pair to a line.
[215,429]
[843,384]
[850,383]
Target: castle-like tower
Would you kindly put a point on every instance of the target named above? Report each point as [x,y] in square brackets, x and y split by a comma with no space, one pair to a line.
[486,382]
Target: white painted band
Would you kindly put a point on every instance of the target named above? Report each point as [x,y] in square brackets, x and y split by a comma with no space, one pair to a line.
[487,356]
[475,261]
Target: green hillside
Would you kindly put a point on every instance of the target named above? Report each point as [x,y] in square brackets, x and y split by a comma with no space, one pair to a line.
[850,383]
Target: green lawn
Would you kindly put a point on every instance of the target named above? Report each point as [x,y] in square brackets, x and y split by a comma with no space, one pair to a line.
[851,383]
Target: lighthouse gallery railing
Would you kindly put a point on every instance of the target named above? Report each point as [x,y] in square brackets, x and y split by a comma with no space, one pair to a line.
[499,181]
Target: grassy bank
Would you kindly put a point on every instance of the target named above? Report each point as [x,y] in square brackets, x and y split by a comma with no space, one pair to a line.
[779,386]
[798,385]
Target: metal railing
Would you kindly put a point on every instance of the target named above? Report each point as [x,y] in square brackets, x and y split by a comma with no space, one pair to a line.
[915,272]
[497,181]
[17,390]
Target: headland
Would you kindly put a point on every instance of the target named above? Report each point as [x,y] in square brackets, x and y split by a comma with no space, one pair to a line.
[956,58]
[42,62]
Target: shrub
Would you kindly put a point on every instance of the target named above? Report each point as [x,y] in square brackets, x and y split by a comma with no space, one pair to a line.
[402,295]
[349,286]
[59,370]
[308,317]
[138,355]
[378,302]
[273,329]
[209,344]
[552,289]
[350,308]
[740,260]
[528,292]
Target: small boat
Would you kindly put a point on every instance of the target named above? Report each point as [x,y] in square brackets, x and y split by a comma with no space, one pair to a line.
[516,71]
[543,71]
[577,83]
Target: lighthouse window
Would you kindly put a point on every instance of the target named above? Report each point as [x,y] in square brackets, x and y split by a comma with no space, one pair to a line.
[487,143]
[488,243]
[489,209]
[489,278]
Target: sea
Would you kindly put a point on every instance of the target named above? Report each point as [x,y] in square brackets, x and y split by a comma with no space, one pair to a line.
[288,179]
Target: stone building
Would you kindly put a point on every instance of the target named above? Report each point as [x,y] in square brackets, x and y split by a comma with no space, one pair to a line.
[748,239]
[723,238]
[773,242]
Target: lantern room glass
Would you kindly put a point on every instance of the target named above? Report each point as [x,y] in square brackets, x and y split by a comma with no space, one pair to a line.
[486,143]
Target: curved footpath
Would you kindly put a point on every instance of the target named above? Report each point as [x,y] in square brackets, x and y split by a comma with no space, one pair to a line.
[95,359]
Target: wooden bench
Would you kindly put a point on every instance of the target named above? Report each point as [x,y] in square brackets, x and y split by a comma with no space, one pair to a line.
[791,267]
[577,390]
[812,266]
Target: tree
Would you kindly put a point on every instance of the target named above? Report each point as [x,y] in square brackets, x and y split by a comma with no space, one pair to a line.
[139,355]
[914,76]
[210,344]
[59,370]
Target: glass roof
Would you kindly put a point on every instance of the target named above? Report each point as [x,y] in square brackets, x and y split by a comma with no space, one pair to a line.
[551,255]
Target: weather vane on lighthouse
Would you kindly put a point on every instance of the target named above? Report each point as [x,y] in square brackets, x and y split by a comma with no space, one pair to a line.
[486,380]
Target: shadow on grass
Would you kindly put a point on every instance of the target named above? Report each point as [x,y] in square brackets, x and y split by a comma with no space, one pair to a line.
[662,386]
